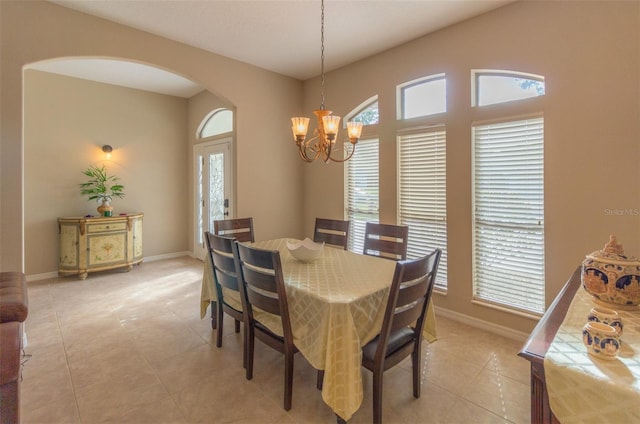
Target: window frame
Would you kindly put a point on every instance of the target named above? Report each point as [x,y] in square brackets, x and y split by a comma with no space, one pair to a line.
[361,108]
[356,233]
[519,310]
[475,84]
[400,96]
[210,116]
[438,136]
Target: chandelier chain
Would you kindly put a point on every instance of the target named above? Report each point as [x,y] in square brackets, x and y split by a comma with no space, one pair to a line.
[322,53]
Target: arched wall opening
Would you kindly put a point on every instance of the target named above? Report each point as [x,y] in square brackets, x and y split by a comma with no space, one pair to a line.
[73,107]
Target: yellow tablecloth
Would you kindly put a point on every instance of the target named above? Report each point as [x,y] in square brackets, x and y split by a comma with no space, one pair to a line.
[585,389]
[336,305]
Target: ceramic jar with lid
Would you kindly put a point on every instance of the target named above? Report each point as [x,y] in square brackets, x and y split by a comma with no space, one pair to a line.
[611,277]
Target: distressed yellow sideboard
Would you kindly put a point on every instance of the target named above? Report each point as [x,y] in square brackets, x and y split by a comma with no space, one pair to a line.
[99,243]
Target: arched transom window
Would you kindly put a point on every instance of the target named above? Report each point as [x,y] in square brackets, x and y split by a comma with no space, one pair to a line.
[220,121]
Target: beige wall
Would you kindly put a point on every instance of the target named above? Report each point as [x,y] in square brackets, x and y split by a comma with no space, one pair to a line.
[67,120]
[589,54]
[270,189]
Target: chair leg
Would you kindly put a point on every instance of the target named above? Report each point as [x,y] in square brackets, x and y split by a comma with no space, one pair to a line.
[214,312]
[320,379]
[237,326]
[244,347]
[288,380]
[250,341]
[377,397]
[415,360]
[220,326]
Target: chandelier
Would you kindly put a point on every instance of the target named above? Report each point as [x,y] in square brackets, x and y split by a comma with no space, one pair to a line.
[322,144]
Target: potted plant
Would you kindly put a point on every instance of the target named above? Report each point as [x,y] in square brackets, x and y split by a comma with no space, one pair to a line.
[101,187]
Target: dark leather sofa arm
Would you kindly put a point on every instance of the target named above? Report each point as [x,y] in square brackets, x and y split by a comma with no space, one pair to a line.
[10,345]
[14,304]
[14,308]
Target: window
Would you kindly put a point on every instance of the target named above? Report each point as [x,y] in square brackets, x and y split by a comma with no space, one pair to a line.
[422,97]
[508,196]
[362,191]
[220,121]
[367,113]
[422,195]
[493,87]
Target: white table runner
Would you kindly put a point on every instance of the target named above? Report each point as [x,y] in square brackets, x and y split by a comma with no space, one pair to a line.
[586,389]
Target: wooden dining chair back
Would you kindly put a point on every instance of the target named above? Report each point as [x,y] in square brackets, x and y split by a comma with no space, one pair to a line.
[263,289]
[240,228]
[386,240]
[221,256]
[333,232]
[403,323]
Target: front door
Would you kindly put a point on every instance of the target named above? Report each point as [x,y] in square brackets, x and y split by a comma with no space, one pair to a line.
[213,184]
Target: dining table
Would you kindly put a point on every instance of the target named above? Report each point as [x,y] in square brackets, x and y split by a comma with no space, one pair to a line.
[336,306]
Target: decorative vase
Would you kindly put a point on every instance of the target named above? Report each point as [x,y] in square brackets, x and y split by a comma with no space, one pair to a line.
[611,277]
[601,340]
[606,316]
[105,209]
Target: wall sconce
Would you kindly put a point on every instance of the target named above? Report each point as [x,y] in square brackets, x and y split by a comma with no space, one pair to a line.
[107,149]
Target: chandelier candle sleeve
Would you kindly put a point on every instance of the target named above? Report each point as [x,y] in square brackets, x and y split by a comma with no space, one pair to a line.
[354,129]
[331,125]
[299,128]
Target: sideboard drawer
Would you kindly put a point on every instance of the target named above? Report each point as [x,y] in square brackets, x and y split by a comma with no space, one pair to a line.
[102,228]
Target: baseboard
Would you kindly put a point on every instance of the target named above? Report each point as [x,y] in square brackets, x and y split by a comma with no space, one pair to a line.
[43,276]
[483,325]
[167,256]
[54,274]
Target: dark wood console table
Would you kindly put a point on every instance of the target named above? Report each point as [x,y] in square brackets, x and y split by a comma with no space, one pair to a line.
[536,347]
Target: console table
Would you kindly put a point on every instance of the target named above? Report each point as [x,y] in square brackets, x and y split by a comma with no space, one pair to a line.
[99,243]
[536,347]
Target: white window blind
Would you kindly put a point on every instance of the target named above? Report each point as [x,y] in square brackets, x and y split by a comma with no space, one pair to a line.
[509,214]
[362,191]
[423,195]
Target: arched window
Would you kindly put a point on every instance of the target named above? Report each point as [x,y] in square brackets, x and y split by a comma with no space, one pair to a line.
[422,164]
[492,86]
[508,193]
[367,113]
[220,121]
[422,97]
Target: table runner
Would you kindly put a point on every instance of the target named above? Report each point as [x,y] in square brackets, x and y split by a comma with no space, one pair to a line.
[585,389]
[331,321]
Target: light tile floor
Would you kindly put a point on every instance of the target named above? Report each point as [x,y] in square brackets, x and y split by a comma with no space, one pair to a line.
[130,347]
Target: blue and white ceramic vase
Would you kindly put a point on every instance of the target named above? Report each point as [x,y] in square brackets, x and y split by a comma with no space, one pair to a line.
[611,277]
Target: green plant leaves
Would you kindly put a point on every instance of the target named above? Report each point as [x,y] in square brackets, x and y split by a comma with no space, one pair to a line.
[101,186]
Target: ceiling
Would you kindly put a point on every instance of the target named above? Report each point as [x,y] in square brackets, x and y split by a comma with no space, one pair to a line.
[278,35]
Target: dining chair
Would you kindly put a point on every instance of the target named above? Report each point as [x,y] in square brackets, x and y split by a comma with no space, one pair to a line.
[239,228]
[386,240]
[221,256]
[403,323]
[262,289]
[333,232]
